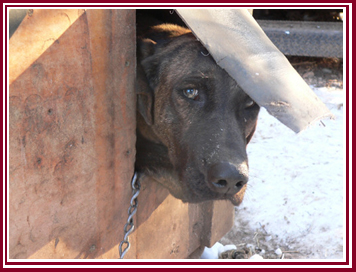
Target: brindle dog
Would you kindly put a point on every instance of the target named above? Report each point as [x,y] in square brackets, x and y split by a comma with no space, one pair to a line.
[194,121]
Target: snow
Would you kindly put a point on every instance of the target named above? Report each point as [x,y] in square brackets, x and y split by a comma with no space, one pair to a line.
[296,189]
[278,252]
[215,251]
[256,257]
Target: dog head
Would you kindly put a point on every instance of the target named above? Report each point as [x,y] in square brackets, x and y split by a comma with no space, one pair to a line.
[194,121]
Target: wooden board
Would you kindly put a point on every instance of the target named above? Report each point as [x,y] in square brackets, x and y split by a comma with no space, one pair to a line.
[170,229]
[72,132]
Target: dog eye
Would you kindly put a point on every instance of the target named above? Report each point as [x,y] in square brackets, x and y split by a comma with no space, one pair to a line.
[249,103]
[191,93]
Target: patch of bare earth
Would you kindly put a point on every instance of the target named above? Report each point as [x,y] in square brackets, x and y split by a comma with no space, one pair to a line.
[319,72]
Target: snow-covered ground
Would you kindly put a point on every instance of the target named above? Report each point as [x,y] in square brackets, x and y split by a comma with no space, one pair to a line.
[295,197]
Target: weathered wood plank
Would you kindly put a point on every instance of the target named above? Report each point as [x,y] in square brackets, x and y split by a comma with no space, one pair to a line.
[72,133]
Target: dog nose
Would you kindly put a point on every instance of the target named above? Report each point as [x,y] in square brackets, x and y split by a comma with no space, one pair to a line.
[225,178]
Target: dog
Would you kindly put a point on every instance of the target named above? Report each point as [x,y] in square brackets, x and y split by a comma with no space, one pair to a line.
[193,120]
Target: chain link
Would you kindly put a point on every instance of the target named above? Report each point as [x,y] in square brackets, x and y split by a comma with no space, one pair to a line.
[129,226]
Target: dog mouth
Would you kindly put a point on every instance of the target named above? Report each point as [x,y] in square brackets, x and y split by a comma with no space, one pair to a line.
[194,195]
[237,198]
[194,188]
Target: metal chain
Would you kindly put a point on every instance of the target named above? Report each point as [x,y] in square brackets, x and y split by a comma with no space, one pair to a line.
[129,226]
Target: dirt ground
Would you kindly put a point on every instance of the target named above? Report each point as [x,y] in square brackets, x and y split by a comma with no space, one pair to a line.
[319,72]
[250,242]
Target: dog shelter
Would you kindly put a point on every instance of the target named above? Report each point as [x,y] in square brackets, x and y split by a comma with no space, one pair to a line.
[72,121]
[72,110]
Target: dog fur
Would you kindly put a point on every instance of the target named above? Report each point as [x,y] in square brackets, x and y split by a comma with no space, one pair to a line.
[190,145]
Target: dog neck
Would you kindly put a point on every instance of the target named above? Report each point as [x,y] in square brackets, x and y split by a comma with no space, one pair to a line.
[150,152]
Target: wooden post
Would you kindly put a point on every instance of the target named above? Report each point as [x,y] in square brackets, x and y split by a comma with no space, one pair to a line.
[72,132]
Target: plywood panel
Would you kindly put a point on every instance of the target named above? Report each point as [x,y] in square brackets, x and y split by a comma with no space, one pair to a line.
[72,133]
[167,228]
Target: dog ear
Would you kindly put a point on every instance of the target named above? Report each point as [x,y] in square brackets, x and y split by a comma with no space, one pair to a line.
[145,78]
[249,137]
